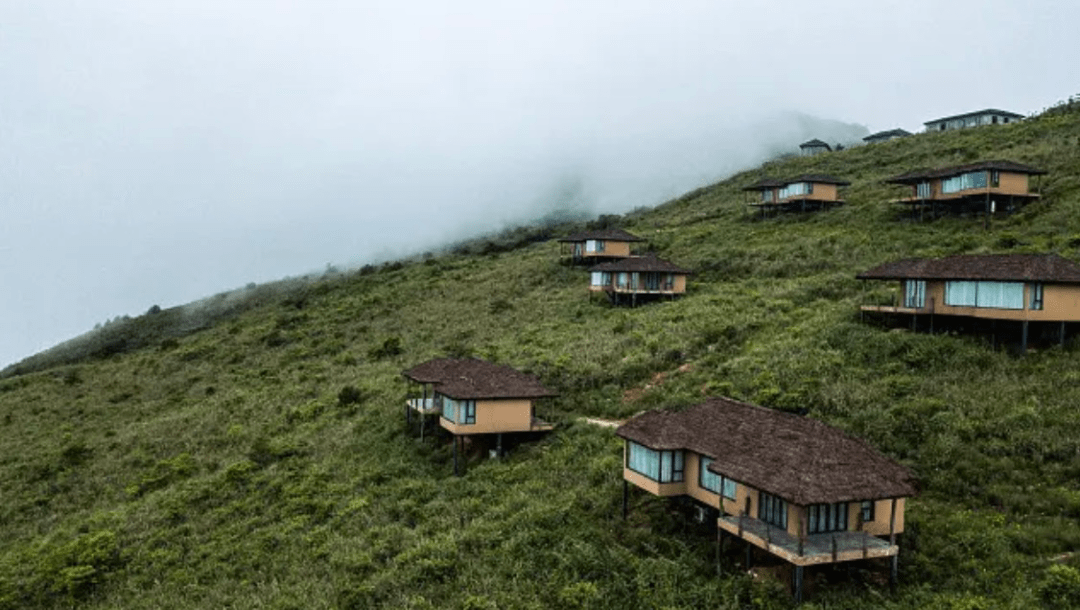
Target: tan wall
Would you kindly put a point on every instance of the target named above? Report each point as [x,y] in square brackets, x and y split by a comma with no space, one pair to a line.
[880,525]
[1016,184]
[494,416]
[1009,183]
[680,284]
[826,192]
[651,486]
[1060,303]
[612,248]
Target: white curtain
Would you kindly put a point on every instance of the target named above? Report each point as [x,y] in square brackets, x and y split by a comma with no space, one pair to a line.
[1000,295]
[960,294]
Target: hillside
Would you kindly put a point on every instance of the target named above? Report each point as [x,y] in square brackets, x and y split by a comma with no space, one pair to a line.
[212,463]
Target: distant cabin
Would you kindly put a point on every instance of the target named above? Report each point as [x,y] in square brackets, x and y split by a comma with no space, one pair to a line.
[638,279]
[801,193]
[1011,296]
[987,187]
[789,485]
[990,116]
[885,136]
[475,397]
[813,147]
[597,246]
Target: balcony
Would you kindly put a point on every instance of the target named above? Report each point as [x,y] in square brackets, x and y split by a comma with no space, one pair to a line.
[814,549]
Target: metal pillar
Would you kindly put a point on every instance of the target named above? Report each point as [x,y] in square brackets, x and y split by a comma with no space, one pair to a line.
[625,499]
[798,576]
[894,571]
[1023,336]
[749,549]
[1061,336]
[498,446]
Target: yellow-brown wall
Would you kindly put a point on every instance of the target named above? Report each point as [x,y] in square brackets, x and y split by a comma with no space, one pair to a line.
[822,192]
[611,248]
[1061,302]
[692,470]
[653,487]
[1009,183]
[492,416]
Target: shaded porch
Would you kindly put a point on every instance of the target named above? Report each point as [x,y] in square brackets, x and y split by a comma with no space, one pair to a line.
[814,549]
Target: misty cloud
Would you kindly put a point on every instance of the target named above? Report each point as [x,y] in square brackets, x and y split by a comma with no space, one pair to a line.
[159,152]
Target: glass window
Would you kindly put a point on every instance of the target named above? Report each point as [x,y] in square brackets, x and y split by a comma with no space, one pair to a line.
[960,294]
[824,518]
[597,278]
[590,245]
[772,509]
[729,489]
[867,511]
[915,294]
[449,410]
[1036,296]
[660,466]
[623,280]
[1000,295]
[468,412]
[922,191]
[706,479]
[963,182]
[600,245]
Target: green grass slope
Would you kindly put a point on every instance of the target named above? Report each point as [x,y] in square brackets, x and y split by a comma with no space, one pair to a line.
[223,466]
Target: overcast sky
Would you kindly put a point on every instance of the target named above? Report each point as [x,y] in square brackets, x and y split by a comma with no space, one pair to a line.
[158,152]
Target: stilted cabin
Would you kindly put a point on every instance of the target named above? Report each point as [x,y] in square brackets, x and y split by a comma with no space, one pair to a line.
[813,147]
[1009,296]
[475,397]
[990,116]
[885,136]
[789,485]
[801,193]
[986,188]
[638,279]
[592,247]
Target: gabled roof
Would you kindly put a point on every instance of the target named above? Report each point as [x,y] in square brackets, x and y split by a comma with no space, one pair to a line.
[611,234]
[891,133]
[800,459]
[1011,115]
[472,378]
[814,143]
[640,263]
[1049,268]
[944,172]
[769,183]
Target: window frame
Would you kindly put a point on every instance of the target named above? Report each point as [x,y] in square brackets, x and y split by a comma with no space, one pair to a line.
[827,518]
[1037,296]
[703,464]
[677,471]
[866,510]
[772,509]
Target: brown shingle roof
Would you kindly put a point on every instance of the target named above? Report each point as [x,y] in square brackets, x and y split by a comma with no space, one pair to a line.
[1003,267]
[640,263]
[814,143]
[612,234]
[472,378]
[800,459]
[891,133]
[944,172]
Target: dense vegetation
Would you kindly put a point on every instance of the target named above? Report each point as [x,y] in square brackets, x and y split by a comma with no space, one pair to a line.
[259,457]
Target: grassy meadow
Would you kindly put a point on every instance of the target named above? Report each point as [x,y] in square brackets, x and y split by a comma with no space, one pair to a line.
[256,455]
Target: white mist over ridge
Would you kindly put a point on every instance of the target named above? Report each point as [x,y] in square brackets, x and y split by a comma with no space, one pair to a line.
[159,152]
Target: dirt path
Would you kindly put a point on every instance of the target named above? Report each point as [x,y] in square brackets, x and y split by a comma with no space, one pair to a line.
[606,423]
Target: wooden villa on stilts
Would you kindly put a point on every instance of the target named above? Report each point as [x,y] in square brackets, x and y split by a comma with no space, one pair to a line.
[809,192]
[789,485]
[1035,296]
[985,188]
[639,279]
[474,397]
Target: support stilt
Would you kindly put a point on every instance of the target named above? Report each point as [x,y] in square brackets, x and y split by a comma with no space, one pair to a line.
[456,473]
[1023,336]
[798,576]
[894,571]
[749,550]
[625,499]
[498,446]
[1061,334]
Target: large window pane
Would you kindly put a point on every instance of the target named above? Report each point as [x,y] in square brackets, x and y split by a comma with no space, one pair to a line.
[914,293]
[1000,295]
[707,480]
[960,294]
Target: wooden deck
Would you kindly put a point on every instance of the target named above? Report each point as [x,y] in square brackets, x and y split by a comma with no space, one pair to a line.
[815,549]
